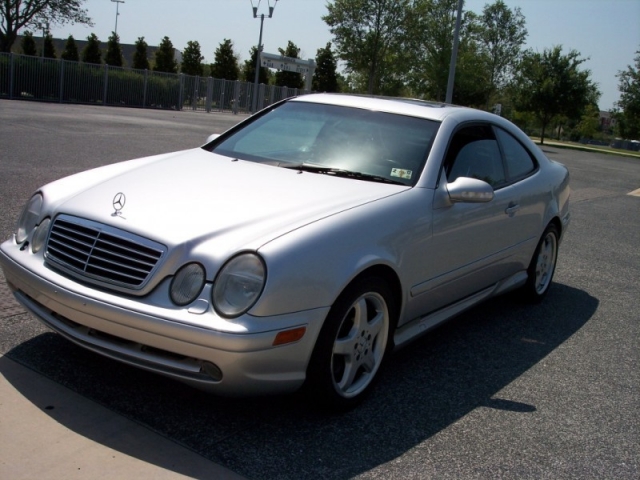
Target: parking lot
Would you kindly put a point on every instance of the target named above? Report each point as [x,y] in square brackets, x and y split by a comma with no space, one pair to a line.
[505,390]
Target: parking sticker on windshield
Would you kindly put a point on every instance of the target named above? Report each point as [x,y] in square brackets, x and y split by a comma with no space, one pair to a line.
[401,173]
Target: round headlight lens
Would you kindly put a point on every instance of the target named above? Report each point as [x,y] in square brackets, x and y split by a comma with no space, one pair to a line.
[40,235]
[29,218]
[187,284]
[239,285]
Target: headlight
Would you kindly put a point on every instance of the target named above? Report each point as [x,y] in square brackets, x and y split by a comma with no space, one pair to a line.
[187,284]
[238,285]
[29,218]
[40,235]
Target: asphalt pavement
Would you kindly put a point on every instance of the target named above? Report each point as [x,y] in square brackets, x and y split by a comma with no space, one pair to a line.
[505,390]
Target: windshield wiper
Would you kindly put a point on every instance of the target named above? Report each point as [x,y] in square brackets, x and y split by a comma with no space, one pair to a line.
[340,172]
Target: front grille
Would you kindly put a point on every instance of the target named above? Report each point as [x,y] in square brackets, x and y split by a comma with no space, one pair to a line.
[100,253]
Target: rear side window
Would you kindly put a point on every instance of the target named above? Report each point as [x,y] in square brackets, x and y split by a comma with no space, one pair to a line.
[519,161]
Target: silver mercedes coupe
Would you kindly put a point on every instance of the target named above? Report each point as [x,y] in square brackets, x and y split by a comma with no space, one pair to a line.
[298,248]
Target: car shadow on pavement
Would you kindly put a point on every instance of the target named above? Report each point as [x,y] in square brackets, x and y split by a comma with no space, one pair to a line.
[424,388]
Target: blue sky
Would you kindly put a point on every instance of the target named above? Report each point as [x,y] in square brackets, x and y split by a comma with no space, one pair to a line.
[605,31]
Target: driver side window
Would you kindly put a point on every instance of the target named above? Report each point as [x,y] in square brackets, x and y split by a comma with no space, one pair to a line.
[474,153]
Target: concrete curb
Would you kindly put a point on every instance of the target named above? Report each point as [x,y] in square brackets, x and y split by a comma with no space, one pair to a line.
[49,432]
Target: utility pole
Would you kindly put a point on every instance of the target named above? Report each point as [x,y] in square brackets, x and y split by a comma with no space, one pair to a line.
[117,2]
[454,55]
[254,105]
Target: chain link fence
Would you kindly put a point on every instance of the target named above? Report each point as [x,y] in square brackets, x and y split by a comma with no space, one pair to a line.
[24,77]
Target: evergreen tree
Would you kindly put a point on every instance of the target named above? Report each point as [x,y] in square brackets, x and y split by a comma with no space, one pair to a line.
[629,103]
[225,65]
[325,78]
[289,79]
[192,59]
[113,57]
[140,60]
[49,47]
[70,52]
[91,53]
[28,45]
[165,57]
[249,70]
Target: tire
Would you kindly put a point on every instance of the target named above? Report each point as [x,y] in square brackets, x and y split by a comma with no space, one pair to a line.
[542,266]
[351,346]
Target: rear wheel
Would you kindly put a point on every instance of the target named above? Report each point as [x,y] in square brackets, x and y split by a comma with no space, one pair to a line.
[542,266]
[352,345]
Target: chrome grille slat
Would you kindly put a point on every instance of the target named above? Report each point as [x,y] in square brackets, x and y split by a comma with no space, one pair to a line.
[101,254]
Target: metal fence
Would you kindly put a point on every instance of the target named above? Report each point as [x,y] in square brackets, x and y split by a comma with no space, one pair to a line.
[24,77]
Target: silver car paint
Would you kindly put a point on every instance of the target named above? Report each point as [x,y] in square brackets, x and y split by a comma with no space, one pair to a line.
[316,234]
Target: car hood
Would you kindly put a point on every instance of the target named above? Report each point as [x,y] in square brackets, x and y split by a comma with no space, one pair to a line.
[194,196]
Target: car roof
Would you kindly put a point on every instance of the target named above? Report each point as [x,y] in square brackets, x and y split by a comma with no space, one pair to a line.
[401,106]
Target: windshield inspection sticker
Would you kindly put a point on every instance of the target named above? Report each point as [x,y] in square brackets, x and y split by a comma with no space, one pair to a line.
[401,173]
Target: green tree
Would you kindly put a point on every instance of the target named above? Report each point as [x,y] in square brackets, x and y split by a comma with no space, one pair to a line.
[28,44]
[91,52]
[249,70]
[628,119]
[225,63]
[192,59]
[140,56]
[165,57]
[16,15]
[502,35]
[429,36]
[49,49]
[289,79]
[113,57]
[70,51]
[325,78]
[550,85]
[366,33]
[589,123]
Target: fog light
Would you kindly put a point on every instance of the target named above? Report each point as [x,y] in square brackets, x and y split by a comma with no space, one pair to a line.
[212,370]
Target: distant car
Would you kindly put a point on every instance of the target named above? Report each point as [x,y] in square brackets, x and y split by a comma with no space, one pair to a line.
[295,249]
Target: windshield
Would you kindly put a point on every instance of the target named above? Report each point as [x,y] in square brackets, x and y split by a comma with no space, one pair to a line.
[377,145]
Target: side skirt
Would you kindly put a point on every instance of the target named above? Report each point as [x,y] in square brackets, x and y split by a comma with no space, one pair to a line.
[421,325]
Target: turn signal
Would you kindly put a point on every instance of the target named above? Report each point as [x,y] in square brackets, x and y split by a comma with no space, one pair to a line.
[289,336]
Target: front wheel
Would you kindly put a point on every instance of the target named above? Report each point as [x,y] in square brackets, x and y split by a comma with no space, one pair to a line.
[352,345]
[542,266]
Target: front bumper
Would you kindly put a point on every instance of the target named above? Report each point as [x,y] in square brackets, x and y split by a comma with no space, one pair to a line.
[128,330]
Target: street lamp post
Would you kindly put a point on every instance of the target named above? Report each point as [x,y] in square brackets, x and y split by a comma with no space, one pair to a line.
[117,2]
[254,105]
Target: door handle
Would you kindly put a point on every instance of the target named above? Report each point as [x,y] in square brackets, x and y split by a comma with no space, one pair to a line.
[512,209]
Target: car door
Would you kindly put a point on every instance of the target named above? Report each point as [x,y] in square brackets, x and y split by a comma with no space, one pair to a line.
[473,243]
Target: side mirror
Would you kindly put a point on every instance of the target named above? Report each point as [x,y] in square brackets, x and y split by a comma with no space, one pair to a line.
[211,137]
[470,190]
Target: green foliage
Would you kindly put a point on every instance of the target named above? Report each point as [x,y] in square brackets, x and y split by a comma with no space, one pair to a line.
[91,52]
[113,57]
[192,60]
[49,47]
[165,57]
[628,119]
[16,15]
[289,79]
[589,123]
[551,85]
[140,56]
[367,33]
[70,51]
[502,34]
[28,44]
[325,78]
[249,70]
[225,64]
